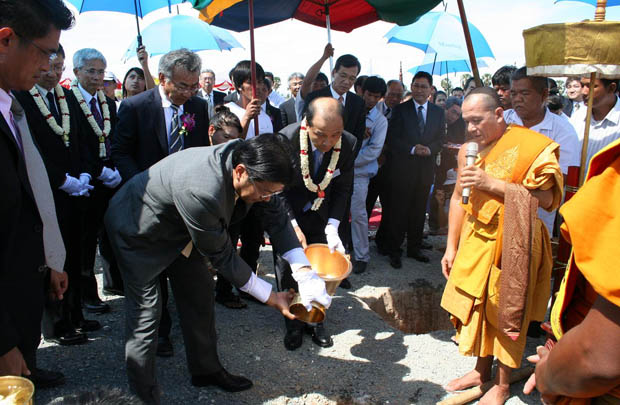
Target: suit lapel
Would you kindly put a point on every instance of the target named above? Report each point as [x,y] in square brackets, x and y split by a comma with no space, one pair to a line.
[160,121]
[21,163]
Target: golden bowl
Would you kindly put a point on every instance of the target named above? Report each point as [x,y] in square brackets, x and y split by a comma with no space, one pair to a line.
[316,314]
[331,267]
[19,389]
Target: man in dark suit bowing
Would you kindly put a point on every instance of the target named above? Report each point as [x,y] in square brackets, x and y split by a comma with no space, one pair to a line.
[415,135]
[318,195]
[158,123]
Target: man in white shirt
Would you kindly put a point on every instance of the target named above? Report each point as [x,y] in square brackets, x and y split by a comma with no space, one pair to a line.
[274,97]
[529,95]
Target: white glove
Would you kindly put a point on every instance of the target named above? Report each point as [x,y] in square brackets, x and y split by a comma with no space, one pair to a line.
[84,178]
[71,185]
[311,288]
[86,187]
[333,240]
[114,179]
[106,174]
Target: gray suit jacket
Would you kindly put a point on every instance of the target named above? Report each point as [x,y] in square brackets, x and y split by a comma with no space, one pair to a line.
[187,196]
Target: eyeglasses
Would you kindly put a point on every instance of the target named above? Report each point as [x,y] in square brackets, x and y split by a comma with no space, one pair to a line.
[184,88]
[264,196]
[49,54]
[94,72]
[57,68]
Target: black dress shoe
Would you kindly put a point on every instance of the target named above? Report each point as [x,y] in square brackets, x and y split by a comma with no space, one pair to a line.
[224,380]
[164,347]
[88,325]
[395,262]
[419,256]
[96,306]
[69,338]
[345,284]
[46,378]
[293,339]
[320,335]
[381,251]
[359,267]
[425,245]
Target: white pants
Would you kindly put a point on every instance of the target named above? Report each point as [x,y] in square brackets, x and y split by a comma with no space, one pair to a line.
[359,219]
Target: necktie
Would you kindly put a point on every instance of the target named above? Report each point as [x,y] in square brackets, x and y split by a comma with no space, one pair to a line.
[387,112]
[318,159]
[577,105]
[341,99]
[53,109]
[39,182]
[174,138]
[18,137]
[421,119]
[94,109]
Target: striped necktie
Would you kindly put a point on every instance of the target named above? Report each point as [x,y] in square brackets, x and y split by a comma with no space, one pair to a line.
[175,142]
[421,119]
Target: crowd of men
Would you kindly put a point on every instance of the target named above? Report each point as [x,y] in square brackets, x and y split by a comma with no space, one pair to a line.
[165,181]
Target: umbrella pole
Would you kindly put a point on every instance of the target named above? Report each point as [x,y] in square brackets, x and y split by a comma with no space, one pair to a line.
[433,69]
[139,39]
[586,132]
[253,58]
[329,35]
[470,47]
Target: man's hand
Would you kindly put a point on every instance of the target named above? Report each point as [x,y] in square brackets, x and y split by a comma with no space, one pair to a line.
[472,176]
[311,288]
[58,284]
[447,261]
[113,180]
[143,56]
[539,358]
[300,236]
[252,109]
[328,52]
[422,150]
[367,133]
[333,240]
[13,363]
[281,301]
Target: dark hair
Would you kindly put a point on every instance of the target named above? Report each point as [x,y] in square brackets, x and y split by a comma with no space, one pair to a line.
[223,117]
[323,77]
[359,82]
[489,92]
[101,396]
[61,51]
[31,19]
[140,73]
[457,89]
[267,157]
[450,101]
[267,83]
[555,102]
[391,82]
[469,80]
[438,92]
[502,76]
[347,61]
[423,75]
[269,75]
[312,110]
[609,82]
[242,72]
[540,84]
[375,84]
[573,79]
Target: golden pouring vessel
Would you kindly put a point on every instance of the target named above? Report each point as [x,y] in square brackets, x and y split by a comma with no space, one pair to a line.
[16,390]
[332,268]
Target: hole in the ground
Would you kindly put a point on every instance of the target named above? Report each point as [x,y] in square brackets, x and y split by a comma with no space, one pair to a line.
[415,309]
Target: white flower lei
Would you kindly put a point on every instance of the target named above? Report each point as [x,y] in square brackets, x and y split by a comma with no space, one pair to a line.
[305,166]
[49,118]
[91,120]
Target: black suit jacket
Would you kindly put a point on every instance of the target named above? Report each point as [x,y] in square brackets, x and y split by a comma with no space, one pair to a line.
[231,97]
[218,97]
[339,189]
[141,138]
[287,109]
[21,241]
[403,134]
[354,113]
[92,163]
[275,116]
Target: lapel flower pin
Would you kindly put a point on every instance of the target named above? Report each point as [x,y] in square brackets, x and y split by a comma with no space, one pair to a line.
[188,123]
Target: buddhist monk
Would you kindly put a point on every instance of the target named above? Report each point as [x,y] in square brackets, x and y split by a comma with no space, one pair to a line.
[498,256]
[583,367]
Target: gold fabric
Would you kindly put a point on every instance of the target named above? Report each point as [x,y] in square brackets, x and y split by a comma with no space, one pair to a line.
[472,292]
[573,49]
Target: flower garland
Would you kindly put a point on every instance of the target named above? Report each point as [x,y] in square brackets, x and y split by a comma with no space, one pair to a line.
[49,118]
[305,166]
[102,135]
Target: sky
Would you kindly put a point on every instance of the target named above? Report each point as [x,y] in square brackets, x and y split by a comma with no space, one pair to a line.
[292,45]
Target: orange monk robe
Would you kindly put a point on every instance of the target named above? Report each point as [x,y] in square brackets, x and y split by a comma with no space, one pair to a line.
[472,292]
[592,225]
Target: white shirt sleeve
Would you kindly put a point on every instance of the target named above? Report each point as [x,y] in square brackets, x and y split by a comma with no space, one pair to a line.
[296,258]
[257,288]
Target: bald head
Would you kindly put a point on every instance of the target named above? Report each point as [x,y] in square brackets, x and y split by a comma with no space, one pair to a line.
[325,122]
[484,116]
[486,96]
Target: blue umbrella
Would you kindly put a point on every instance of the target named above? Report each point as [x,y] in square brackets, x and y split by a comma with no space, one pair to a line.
[139,8]
[182,31]
[442,34]
[446,66]
[610,3]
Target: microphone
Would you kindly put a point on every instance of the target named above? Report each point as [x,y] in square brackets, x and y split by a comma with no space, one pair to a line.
[472,152]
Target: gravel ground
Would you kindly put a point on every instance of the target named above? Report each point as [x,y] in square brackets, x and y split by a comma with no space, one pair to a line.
[370,362]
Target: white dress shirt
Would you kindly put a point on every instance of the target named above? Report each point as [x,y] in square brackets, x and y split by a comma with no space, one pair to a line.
[264,122]
[87,97]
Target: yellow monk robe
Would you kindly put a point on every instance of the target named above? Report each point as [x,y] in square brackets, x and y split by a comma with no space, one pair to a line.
[592,225]
[471,295]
